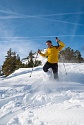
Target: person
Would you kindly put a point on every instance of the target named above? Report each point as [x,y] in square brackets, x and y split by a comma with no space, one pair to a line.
[52,57]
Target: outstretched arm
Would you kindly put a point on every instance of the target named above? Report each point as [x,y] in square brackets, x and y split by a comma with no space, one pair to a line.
[43,54]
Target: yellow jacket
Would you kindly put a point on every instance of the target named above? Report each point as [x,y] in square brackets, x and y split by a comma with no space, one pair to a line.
[52,52]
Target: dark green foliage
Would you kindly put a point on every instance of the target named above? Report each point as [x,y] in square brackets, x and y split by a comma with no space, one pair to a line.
[70,56]
[37,63]
[1,73]
[12,62]
[32,60]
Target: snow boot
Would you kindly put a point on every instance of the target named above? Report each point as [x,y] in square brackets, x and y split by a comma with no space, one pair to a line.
[56,77]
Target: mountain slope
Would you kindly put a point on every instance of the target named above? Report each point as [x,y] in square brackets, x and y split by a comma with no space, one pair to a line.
[38,100]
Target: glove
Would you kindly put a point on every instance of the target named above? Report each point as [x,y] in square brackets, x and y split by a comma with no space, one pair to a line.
[39,51]
[57,39]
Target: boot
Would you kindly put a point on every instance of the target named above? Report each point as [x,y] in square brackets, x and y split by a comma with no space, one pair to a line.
[56,76]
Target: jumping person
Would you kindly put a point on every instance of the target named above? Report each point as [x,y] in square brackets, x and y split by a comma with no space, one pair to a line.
[52,57]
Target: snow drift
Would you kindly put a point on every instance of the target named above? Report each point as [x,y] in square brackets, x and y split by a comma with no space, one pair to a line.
[38,100]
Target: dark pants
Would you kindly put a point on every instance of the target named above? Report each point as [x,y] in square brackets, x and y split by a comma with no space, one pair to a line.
[54,67]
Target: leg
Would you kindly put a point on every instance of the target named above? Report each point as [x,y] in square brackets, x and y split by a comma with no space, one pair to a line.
[55,70]
[46,67]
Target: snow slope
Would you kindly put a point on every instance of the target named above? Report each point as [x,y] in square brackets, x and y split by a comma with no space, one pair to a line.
[38,100]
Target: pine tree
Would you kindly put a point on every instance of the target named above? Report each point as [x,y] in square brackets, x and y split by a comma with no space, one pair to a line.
[11,63]
[70,56]
[32,60]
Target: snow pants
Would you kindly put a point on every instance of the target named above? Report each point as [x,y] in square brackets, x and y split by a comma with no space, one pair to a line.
[53,66]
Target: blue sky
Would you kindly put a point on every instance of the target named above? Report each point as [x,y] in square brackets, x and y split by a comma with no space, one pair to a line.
[25,25]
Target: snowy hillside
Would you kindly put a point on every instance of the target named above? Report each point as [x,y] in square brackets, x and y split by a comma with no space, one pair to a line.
[38,100]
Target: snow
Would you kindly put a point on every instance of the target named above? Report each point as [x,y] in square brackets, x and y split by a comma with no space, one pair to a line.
[39,100]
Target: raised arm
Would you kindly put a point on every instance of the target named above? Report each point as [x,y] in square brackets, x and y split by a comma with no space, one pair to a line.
[60,44]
